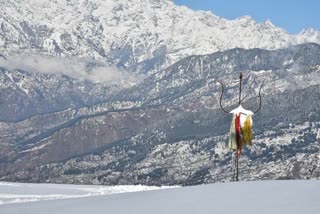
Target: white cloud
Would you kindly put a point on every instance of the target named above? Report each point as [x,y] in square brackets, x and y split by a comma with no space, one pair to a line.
[82,69]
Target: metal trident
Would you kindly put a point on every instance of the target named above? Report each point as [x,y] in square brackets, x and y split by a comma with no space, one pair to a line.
[220,103]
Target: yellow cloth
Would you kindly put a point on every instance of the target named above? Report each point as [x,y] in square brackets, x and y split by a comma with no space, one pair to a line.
[247,131]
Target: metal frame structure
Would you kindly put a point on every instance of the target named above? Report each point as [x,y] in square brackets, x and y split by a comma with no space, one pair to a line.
[236,176]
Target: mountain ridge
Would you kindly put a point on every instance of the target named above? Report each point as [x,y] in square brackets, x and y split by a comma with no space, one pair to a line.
[139,35]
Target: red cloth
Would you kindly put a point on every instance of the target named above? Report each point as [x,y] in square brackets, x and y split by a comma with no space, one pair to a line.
[238,135]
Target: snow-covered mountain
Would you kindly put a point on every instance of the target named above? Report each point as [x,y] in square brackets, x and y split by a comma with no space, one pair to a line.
[169,129]
[59,125]
[31,85]
[139,35]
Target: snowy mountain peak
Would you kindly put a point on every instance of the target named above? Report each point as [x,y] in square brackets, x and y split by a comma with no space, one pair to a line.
[310,32]
[246,18]
[269,23]
[308,35]
[138,35]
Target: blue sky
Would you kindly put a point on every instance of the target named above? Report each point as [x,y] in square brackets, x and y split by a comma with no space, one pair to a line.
[292,15]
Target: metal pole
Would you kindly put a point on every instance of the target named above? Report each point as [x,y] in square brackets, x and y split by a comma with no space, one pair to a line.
[237,166]
[240,77]
[234,168]
[237,158]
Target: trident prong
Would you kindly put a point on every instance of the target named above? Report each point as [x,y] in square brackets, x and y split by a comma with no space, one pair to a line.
[260,100]
[240,93]
[3,56]
[221,95]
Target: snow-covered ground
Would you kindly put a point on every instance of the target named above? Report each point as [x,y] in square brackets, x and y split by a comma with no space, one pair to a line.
[12,193]
[242,197]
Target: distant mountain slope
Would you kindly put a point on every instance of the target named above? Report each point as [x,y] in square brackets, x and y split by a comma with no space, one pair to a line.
[139,35]
[169,129]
